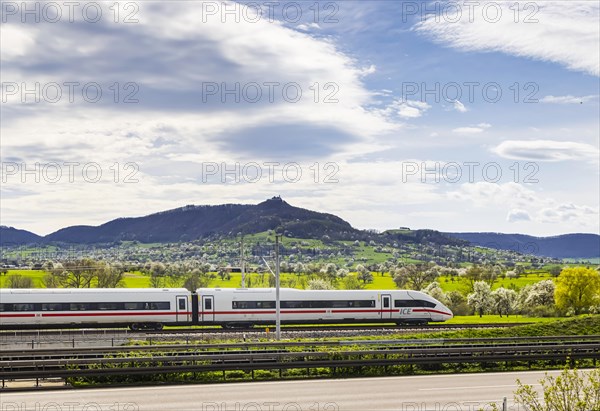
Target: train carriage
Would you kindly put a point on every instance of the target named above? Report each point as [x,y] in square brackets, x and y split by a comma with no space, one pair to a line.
[238,307]
[148,308]
[138,308]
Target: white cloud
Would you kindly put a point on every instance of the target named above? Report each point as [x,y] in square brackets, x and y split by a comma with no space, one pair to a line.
[561,32]
[479,128]
[407,108]
[569,213]
[406,111]
[308,27]
[15,42]
[567,99]
[484,194]
[460,107]
[368,70]
[525,205]
[517,215]
[223,53]
[547,150]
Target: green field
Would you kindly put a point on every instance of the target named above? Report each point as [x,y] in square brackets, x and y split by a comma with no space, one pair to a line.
[380,282]
[136,280]
[35,275]
[460,284]
[385,282]
[496,319]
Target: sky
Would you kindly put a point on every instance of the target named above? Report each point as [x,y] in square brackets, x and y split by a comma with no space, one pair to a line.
[455,116]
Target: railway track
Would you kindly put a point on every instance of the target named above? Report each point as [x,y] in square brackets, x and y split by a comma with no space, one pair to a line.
[163,359]
[114,332]
[282,346]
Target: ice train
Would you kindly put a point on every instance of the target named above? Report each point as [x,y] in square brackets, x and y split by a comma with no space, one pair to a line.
[152,308]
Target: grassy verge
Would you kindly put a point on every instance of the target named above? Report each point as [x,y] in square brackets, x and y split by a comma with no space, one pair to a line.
[496,319]
[584,325]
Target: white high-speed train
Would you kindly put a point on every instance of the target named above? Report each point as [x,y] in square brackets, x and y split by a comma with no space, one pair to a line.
[228,307]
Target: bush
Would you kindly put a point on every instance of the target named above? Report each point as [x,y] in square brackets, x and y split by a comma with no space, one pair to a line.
[461,309]
[235,374]
[265,374]
[541,311]
[572,390]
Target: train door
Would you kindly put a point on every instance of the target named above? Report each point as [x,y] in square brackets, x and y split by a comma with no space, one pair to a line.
[208,308]
[182,309]
[386,306]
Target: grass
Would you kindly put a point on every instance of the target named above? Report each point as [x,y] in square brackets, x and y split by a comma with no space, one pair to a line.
[367,254]
[136,280]
[36,275]
[496,319]
[380,282]
[385,282]
[582,325]
[449,283]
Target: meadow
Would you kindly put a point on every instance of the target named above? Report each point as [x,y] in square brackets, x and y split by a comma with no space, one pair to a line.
[380,282]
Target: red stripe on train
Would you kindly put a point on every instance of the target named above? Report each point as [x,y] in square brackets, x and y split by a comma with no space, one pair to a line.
[110,314]
[264,312]
[102,314]
[418,310]
[333,311]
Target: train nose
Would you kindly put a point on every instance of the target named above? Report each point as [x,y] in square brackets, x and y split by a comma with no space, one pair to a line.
[444,313]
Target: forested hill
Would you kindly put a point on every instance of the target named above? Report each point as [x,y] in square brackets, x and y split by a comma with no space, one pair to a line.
[561,246]
[193,222]
[13,236]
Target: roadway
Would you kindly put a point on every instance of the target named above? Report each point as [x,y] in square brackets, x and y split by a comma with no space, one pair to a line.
[458,392]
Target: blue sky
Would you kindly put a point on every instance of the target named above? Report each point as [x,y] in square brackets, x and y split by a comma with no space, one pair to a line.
[201,116]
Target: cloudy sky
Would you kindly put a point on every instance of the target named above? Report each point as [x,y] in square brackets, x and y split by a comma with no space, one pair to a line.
[452,116]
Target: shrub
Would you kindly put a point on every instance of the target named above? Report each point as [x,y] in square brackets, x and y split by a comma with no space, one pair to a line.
[572,390]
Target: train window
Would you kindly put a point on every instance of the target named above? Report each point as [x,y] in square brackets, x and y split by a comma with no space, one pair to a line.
[423,303]
[260,305]
[386,302]
[208,304]
[240,305]
[6,307]
[53,307]
[403,303]
[23,307]
[108,306]
[182,304]
[327,304]
[81,306]
[364,303]
[427,304]
[160,305]
[136,306]
[413,303]
[292,304]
